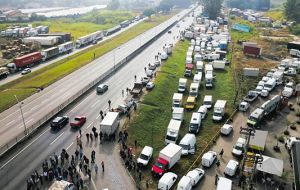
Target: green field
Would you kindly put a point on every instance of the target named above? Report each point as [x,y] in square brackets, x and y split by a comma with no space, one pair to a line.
[27,85]
[150,123]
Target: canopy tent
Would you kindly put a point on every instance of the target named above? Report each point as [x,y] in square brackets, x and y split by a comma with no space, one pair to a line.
[271,166]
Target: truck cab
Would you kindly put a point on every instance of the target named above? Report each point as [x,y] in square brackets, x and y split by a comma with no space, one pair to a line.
[255,117]
[172,131]
[219,110]
[190,103]
[194,89]
[195,123]
[177,100]
[209,79]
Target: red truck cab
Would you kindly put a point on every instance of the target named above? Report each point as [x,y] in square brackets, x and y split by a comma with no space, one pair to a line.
[160,166]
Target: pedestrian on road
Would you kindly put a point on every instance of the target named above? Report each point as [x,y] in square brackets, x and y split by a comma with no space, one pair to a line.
[77,185]
[87,136]
[81,183]
[102,164]
[80,133]
[216,179]
[41,179]
[96,168]
[222,152]
[91,136]
[135,78]
[218,163]
[145,69]
[89,174]
[122,93]
[94,129]
[80,166]
[140,175]
[101,112]
[125,134]
[109,102]
[101,137]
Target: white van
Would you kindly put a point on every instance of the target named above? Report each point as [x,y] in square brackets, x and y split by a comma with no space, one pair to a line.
[189,54]
[270,85]
[185,183]
[231,168]
[197,48]
[197,78]
[182,84]
[167,181]
[208,158]
[207,102]
[195,123]
[194,89]
[196,175]
[172,131]
[178,114]
[65,185]
[177,100]
[145,156]
[197,58]
[188,144]
[188,60]
[224,184]
[238,148]
[199,66]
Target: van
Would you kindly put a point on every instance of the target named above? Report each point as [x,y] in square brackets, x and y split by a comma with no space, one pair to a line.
[185,183]
[208,158]
[199,66]
[182,85]
[178,114]
[63,185]
[190,102]
[197,78]
[189,54]
[197,48]
[172,131]
[195,123]
[219,110]
[231,168]
[167,181]
[224,184]
[188,60]
[270,85]
[188,144]
[145,156]
[207,102]
[194,89]
[197,58]
[177,100]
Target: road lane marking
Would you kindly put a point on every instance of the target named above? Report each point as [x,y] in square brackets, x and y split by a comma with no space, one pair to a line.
[23,149]
[20,126]
[69,145]
[79,104]
[90,125]
[57,138]
[94,104]
[9,123]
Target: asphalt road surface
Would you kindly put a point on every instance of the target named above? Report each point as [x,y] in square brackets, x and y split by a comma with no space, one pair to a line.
[17,75]
[17,167]
[40,104]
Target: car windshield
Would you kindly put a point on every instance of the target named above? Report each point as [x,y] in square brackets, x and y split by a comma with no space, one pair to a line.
[252,118]
[193,126]
[158,164]
[238,147]
[206,103]
[170,138]
[217,114]
[143,157]
[77,119]
[184,146]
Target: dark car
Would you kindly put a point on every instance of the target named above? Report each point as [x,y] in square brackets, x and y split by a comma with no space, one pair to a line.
[78,121]
[102,88]
[169,31]
[59,122]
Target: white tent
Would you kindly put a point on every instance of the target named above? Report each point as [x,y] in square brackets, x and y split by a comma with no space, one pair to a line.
[271,165]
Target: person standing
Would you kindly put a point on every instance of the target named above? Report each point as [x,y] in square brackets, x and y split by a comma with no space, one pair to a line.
[122,93]
[221,153]
[87,136]
[109,103]
[80,133]
[96,168]
[216,179]
[102,165]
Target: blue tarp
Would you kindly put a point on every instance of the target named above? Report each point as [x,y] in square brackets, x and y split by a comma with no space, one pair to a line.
[241,27]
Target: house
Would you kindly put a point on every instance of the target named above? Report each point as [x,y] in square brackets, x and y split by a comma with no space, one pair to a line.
[15,16]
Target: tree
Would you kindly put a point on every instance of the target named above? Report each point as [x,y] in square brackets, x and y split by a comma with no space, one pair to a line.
[165,5]
[212,8]
[291,10]
[148,12]
[113,4]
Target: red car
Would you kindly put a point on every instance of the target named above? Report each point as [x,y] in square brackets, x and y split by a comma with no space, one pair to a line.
[78,121]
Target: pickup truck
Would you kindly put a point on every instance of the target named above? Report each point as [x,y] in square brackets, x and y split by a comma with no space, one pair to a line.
[137,88]
[251,96]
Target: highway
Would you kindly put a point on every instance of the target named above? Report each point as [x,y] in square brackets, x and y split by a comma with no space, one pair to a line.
[43,103]
[17,75]
[18,166]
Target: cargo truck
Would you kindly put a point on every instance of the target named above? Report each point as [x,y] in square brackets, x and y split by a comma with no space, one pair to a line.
[90,38]
[109,125]
[65,47]
[278,76]
[255,117]
[24,61]
[217,64]
[271,105]
[172,131]
[49,53]
[137,89]
[43,41]
[167,158]
[219,110]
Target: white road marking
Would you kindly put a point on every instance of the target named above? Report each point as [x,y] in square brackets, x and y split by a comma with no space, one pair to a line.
[9,123]
[23,149]
[89,125]
[79,103]
[35,107]
[57,138]
[69,145]
[93,183]
[22,125]
[94,104]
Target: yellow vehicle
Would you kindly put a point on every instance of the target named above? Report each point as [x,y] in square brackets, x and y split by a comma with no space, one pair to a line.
[190,102]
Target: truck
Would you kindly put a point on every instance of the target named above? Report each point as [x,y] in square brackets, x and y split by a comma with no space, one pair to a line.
[255,117]
[199,67]
[93,37]
[168,49]
[62,185]
[172,131]
[3,72]
[218,64]
[43,41]
[258,141]
[109,125]
[24,61]
[65,47]
[219,110]
[251,72]
[252,50]
[251,96]
[177,100]
[289,90]
[167,158]
[295,52]
[113,30]
[212,56]
[137,88]
[271,105]
[178,114]
[278,76]
[188,34]
[182,85]
[49,53]
[194,89]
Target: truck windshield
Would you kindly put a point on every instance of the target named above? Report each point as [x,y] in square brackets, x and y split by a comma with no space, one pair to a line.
[268,86]
[184,146]
[206,103]
[170,138]
[193,126]
[143,157]
[217,114]
[159,165]
[251,118]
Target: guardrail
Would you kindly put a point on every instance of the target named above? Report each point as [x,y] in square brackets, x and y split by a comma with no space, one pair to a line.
[33,128]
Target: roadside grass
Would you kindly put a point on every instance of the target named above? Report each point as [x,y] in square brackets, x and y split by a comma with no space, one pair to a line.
[51,73]
[150,123]
[275,15]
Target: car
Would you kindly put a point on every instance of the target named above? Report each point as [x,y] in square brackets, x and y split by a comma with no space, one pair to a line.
[167,181]
[78,121]
[157,63]
[188,73]
[291,72]
[203,111]
[238,148]
[265,79]
[244,106]
[26,71]
[226,129]
[145,156]
[145,80]
[169,32]
[150,85]
[196,175]
[102,88]
[208,158]
[149,73]
[59,122]
[151,66]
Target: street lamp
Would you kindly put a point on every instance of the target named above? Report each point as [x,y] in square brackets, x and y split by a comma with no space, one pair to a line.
[115,57]
[20,106]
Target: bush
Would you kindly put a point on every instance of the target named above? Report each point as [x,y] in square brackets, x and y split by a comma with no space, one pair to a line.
[281,139]
[286,132]
[295,29]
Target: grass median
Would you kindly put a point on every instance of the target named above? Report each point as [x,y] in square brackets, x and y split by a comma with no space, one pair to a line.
[150,123]
[27,85]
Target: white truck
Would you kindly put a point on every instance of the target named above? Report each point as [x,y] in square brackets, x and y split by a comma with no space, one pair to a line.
[212,56]
[289,90]
[199,66]
[110,123]
[208,75]
[168,49]
[271,105]
[65,47]
[218,64]
[178,114]
[255,117]
[177,100]
[172,131]
[278,76]
[182,85]
[251,72]
[188,34]
[197,58]
[194,89]
[294,53]
[219,110]
[62,185]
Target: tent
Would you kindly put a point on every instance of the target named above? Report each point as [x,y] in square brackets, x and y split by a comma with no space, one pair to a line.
[271,166]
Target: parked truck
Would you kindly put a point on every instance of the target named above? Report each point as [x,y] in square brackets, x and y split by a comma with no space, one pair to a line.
[250,49]
[251,72]
[24,61]
[93,37]
[219,64]
[172,131]
[65,47]
[109,125]
[3,72]
[295,53]
[278,76]
[271,105]
[167,158]
[219,110]
[50,53]
[43,41]
[251,96]
[137,88]
[255,117]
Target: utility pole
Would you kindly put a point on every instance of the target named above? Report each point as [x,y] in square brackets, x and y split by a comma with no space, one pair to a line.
[248,132]
[20,106]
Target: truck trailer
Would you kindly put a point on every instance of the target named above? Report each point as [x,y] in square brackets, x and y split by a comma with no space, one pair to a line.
[50,53]
[109,124]
[24,61]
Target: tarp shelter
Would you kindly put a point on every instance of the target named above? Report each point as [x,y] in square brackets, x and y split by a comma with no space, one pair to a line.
[241,27]
[258,141]
[271,166]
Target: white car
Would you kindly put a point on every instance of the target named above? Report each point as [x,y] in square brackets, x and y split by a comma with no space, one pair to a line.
[157,63]
[208,158]
[26,71]
[167,181]
[291,72]
[203,111]
[226,129]
[145,156]
[288,90]
[149,73]
[163,56]
[231,168]
[151,66]
[150,85]
[196,175]
[238,148]
[244,106]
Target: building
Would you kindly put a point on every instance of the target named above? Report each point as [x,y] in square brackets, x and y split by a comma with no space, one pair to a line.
[15,16]
[296,164]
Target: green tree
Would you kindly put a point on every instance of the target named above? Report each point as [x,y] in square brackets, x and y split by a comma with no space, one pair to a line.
[292,10]
[148,12]
[114,4]
[212,8]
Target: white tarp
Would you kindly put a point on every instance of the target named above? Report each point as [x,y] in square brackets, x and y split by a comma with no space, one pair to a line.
[271,166]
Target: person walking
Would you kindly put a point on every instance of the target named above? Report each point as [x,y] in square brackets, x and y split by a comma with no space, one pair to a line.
[96,168]
[101,137]
[87,136]
[145,69]
[102,165]
[221,152]
[91,136]
[216,179]
[135,78]
[218,163]
[80,133]
[109,102]
[122,93]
